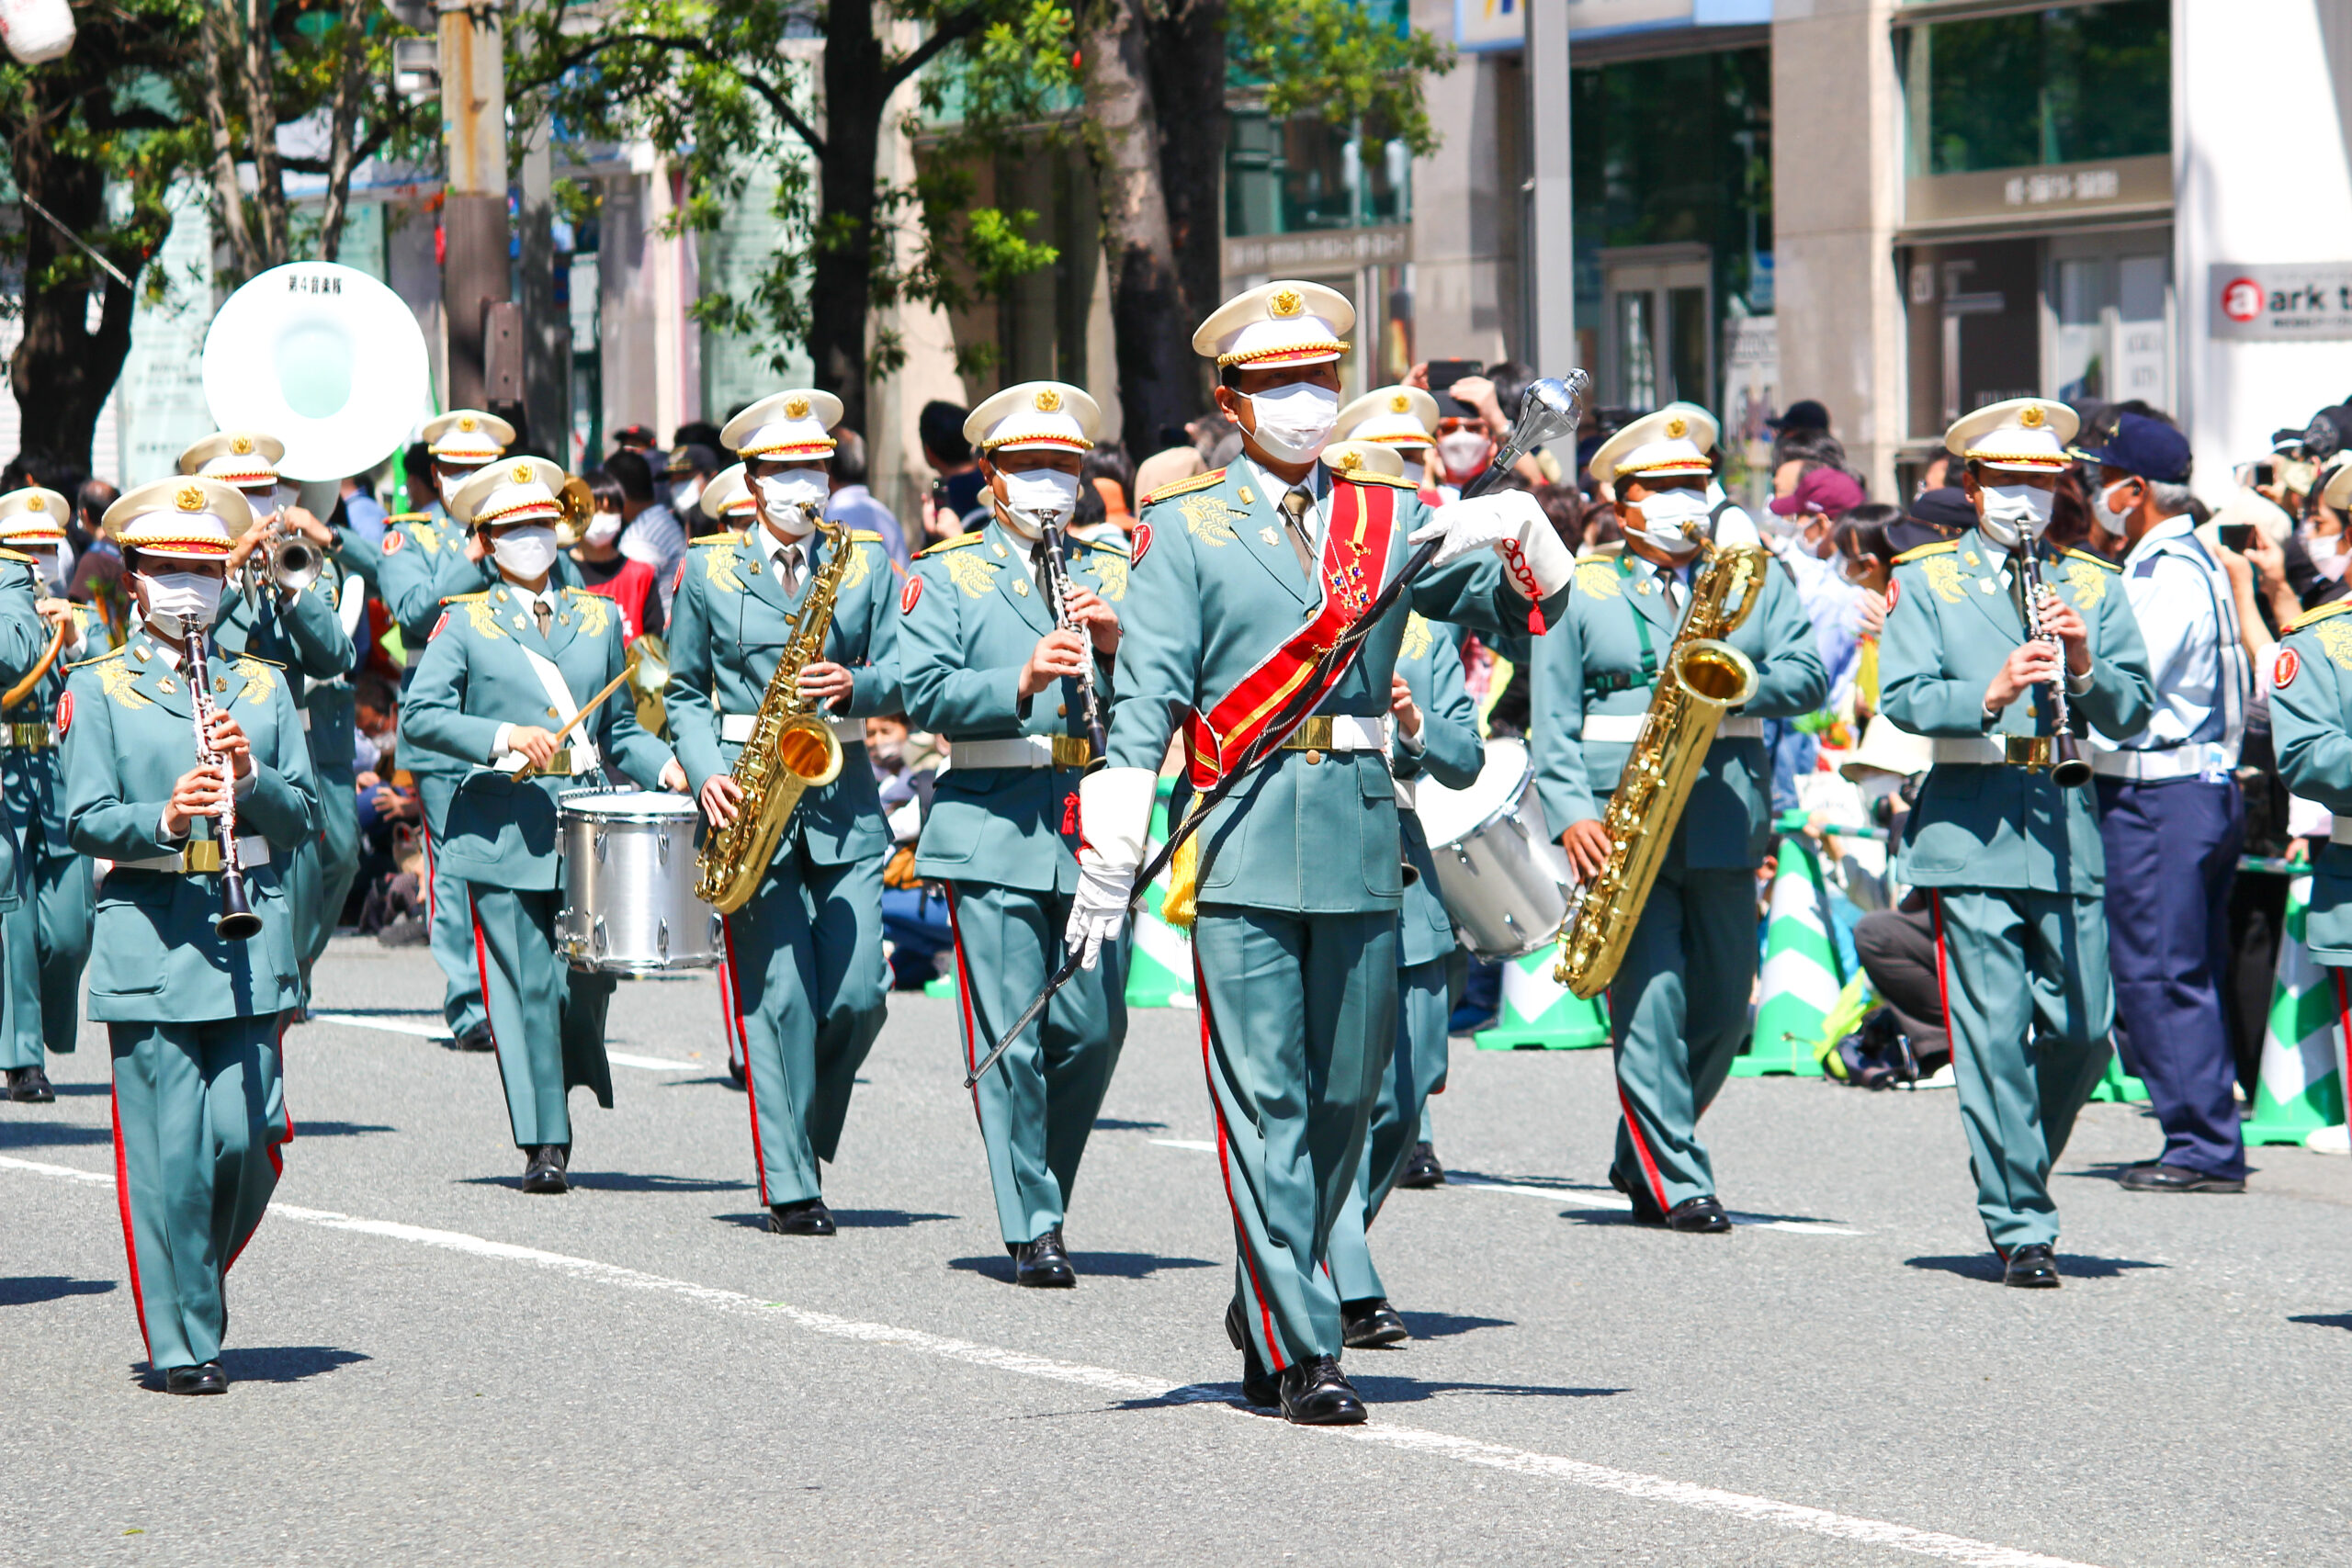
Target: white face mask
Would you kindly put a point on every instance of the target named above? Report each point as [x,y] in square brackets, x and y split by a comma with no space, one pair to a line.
[1671,519]
[268,504]
[178,602]
[683,499]
[526,553]
[1294,422]
[2012,512]
[1876,786]
[2108,518]
[783,495]
[1030,498]
[604,529]
[1464,451]
[1413,472]
[49,563]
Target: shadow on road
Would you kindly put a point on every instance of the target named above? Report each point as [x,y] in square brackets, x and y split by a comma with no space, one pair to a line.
[274,1363]
[1114,1124]
[338,1128]
[1108,1265]
[610,1180]
[1985,1266]
[1378,1391]
[2317,1319]
[31,1289]
[848,1219]
[50,1134]
[1445,1325]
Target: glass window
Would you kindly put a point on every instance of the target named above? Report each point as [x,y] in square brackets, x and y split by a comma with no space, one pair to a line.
[1290,176]
[2056,87]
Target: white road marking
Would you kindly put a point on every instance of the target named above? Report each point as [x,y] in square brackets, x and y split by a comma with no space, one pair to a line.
[440,1032]
[1411,1439]
[1578,1198]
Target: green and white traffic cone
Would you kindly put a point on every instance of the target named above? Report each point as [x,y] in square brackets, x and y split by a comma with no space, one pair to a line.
[1160,956]
[1802,979]
[1538,1013]
[2301,1089]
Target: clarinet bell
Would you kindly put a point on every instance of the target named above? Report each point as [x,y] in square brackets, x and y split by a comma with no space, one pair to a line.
[2069,769]
[236,921]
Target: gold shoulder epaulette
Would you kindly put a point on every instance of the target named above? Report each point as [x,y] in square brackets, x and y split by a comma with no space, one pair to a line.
[464,598]
[101,658]
[1941,547]
[1107,546]
[1184,486]
[2095,560]
[2318,614]
[1394,481]
[582,593]
[17,555]
[408,517]
[724,536]
[958,543]
[864,537]
[257,658]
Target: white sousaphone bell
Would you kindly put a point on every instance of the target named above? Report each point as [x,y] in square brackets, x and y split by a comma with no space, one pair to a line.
[326,360]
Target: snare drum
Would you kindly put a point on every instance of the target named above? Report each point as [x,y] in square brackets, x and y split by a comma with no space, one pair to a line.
[628,885]
[1499,872]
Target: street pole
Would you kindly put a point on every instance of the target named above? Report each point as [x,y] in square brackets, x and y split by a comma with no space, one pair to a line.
[474,269]
[1551,259]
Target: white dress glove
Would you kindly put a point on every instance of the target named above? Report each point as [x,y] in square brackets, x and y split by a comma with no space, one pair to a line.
[1510,524]
[1114,813]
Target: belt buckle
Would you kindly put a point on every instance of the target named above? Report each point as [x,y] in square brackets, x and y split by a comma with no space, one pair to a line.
[1315,735]
[2030,753]
[202,856]
[1072,751]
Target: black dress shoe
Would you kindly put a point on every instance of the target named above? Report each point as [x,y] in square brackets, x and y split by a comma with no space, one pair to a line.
[1258,1386]
[1422,1169]
[2030,1267]
[1044,1264]
[807,1217]
[205,1379]
[1702,1216]
[1370,1324]
[735,1071]
[476,1037]
[1315,1393]
[2150,1177]
[1646,1208]
[30,1086]
[545,1173]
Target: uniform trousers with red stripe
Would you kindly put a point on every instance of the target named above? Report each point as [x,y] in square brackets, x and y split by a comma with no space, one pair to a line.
[1678,1014]
[198,1115]
[546,1018]
[1298,1017]
[2028,1002]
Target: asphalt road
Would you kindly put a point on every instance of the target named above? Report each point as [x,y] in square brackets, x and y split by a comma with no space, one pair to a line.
[432,1368]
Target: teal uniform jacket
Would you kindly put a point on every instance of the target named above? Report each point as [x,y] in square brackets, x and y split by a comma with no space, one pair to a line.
[1450,752]
[33,779]
[2310,724]
[1952,625]
[48,928]
[130,734]
[1602,659]
[972,620]
[303,632]
[476,675]
[729,625]
[1224,589]
[23,636]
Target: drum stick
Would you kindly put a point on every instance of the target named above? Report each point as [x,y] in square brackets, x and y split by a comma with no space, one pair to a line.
[629,666]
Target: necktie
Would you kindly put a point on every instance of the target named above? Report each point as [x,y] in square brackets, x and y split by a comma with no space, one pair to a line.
[545,612]
[787,568]
[1294,506]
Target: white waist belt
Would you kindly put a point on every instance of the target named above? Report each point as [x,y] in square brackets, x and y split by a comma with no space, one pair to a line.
[1624,729]
[252,849]
[736,728]
[1022,752]
[1339,732]
[2172,762]
[1969,750]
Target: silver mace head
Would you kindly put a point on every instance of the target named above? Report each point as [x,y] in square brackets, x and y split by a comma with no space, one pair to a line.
[1550,410]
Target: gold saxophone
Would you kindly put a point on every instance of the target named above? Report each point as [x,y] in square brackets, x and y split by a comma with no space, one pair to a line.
[791,748]
[1703,677]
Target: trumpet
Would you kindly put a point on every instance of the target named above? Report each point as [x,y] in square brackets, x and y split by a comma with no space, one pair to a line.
[294,563]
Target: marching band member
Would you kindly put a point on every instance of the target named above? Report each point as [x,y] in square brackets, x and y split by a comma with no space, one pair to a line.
[193,1019]
[729,501]
[2012,860]
[805,979]
[505,668]
[987,664]
[1436,735]
[47,925]
[420,549]
[1401,418]
[1678,1008]
[1250,572]
[300,630]
[2310,724]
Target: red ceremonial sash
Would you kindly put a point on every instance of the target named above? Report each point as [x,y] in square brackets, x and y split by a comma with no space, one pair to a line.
[1356,562]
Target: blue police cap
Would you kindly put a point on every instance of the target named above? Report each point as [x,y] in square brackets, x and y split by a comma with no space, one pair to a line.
[2148,447]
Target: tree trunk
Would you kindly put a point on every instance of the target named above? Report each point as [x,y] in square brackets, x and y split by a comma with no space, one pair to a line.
[350,80]
[227,194]
[1159,375]
[261,130]
[841,282]
[62,371]
[1188,65]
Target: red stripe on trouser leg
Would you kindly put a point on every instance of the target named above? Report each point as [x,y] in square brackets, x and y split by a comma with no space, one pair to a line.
[2344,1025]
[1943,986]
[122,1199]
[1225,1169]
[432,904]
[731,1004]
[963,1001]
[1642,1149]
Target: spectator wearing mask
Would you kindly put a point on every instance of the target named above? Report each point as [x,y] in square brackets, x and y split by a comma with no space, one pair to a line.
[1799,529]
[852,504]
[651,531]
[604,570]
[688,472]
[956,494]
[2171,814]
[914,913]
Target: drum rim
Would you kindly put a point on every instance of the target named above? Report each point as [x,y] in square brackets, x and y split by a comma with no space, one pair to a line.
[1509,805]
[576,803]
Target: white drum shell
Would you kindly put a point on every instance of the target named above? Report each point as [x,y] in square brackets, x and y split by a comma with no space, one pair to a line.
[628,885]
[1500,873]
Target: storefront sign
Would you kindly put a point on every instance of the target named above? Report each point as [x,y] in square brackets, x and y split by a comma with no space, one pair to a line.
[2280,302]
[1480,24]
[2028,194]
[1317,251]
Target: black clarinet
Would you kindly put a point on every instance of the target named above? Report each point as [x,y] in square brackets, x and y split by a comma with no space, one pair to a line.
[236,921]
[2068,766]
[1059,585]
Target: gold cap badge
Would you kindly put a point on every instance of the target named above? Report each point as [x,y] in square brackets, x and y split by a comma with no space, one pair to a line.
[1350,461]
[1399,404]
[465,422]
[1677,428]
[795,408]
[1049,401]
[522,473]
[190,498]
[35,504]
[241,444]
[1286,303]
[2032,417]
